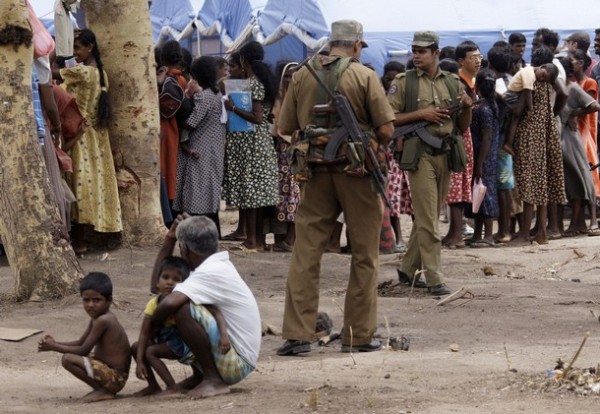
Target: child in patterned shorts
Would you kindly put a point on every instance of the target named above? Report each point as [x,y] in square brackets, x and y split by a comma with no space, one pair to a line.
[107,368]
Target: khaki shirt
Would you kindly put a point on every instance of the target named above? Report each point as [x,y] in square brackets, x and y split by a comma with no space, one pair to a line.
[358,83]
[432,93]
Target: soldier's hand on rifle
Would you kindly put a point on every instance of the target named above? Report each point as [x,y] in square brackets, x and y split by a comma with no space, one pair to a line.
[435,115]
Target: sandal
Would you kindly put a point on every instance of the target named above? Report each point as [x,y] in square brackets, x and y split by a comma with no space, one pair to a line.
[571,233]
[593,231]
[400,248]
[477,244]
[233,237]
[453,246]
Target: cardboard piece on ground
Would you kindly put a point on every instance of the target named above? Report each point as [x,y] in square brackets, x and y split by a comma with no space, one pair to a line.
[17,334]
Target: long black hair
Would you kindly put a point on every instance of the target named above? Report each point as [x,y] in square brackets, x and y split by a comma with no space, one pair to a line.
[204,71]
[87,38]
[253,53]
[485,82]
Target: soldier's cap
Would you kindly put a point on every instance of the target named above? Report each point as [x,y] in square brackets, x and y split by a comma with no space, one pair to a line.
[347,30]
[425,39]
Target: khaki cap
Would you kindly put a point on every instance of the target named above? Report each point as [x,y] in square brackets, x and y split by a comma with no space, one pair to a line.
[347,30]
[425,39]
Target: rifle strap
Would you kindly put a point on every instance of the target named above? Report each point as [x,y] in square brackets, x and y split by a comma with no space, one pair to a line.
[411,97]
[330,74]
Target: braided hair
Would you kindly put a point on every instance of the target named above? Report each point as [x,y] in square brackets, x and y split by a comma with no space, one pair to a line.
[253,53]
[87,38]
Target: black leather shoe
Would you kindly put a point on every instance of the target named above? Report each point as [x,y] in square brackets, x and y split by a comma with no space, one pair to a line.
[374,345]
[293,347]
[407,280]
[440,290]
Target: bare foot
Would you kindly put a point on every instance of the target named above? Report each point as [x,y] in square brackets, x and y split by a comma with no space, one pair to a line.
[190,382]
[97,395]
[519,241]
[170,393]
[149,390]
[508,149]
[540,240]
[209,388]
[502,238]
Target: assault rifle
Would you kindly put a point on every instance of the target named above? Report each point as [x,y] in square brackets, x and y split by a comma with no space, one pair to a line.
[350,130]
[418,127]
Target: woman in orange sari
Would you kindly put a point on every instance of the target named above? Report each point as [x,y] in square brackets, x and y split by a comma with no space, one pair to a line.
[587,124]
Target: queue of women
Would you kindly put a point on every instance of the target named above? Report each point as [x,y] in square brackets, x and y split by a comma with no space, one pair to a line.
[204,161]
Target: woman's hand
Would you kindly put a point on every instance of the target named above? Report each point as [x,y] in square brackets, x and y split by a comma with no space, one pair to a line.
[192,88]
[228,104]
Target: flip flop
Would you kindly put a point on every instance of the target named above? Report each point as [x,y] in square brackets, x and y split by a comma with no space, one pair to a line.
[242,248]
[233,237]
[400,248]
[453,246]
[571,233]
[482,243]
[592,232]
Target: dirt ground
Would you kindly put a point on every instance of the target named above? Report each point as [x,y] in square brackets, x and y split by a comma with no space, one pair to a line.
[534,307]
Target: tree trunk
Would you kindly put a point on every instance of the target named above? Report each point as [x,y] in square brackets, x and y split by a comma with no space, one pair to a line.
[124,35]
[36,243]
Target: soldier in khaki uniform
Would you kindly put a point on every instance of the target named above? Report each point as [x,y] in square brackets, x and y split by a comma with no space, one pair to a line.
[430,180]
[330,191]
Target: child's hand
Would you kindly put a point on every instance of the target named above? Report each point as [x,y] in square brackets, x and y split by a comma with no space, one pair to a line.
[224,344]
[195,154]
[45,344]
[141,372]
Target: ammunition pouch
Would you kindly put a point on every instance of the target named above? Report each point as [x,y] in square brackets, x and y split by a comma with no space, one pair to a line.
[298,156]
[457,157]
[408,151]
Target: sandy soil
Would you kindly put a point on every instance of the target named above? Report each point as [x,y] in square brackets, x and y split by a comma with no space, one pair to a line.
[535,307]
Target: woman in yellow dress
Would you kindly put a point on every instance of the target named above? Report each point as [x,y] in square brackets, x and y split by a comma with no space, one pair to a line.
[93,180]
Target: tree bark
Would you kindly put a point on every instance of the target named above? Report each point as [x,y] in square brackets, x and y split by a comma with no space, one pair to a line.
[36,243]
[124,35]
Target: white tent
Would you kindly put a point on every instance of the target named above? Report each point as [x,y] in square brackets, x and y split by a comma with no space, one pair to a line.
[289,28]
[44,10]
[389,24]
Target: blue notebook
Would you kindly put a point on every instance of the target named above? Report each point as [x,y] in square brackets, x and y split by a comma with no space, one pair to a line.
[236,123]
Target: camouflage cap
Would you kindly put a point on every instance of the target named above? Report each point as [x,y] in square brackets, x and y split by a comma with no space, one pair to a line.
[347,30]
[425,39]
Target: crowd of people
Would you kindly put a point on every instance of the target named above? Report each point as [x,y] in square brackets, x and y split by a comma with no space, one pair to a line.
[527,132]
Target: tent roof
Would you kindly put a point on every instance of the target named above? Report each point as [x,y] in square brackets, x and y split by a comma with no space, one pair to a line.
[389,24]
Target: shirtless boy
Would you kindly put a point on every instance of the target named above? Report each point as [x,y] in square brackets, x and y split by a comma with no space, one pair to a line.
[107,368]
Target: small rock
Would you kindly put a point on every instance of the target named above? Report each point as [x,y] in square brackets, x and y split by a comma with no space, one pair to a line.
[576,280]
[387,376]
[399,343]
[454,348]
[488,271]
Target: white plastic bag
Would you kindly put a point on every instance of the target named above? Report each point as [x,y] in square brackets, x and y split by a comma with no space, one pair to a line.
[479,190]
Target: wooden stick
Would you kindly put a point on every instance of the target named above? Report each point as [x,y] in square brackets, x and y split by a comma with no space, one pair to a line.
[412,286]
[587,334]
[459,294]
